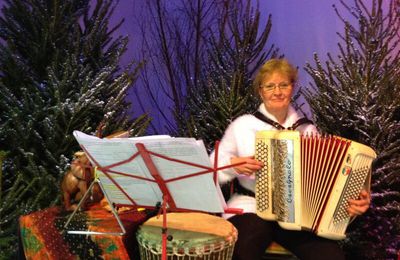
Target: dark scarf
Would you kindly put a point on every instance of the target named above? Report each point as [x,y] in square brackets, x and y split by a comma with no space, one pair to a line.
[301,121]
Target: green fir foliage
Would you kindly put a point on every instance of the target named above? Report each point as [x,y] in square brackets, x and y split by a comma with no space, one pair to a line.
[59,73]
[356,96]
[224,90]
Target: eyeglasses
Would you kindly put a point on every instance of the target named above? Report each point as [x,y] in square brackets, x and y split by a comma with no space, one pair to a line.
[271,86]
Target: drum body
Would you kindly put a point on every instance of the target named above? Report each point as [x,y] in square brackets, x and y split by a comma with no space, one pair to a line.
[190,236]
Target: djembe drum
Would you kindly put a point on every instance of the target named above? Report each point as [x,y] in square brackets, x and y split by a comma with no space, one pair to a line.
[191,236]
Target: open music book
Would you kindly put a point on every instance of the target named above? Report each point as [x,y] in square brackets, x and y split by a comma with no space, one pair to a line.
[126,179]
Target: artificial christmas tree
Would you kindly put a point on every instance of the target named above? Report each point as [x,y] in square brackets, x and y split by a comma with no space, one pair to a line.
[59,72]
[356,96]
[224,89]
[195,47]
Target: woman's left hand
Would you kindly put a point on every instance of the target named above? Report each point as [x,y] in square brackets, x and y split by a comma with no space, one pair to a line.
[361,205]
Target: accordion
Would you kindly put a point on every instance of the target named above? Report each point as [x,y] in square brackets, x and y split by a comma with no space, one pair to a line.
[307,180]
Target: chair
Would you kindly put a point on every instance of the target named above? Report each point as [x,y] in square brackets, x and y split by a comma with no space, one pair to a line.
[276,251]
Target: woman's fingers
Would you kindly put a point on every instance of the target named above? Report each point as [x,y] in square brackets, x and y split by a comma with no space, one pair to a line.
[361,205]
[246,165]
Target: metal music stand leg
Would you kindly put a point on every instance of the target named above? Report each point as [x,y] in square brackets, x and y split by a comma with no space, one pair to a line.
[164,229]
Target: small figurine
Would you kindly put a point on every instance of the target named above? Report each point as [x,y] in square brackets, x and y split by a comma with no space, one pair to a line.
[76,182]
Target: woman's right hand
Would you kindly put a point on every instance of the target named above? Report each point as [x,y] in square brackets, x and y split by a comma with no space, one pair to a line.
[248,165]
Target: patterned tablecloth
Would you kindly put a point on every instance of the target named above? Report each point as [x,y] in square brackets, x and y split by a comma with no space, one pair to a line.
[43,235]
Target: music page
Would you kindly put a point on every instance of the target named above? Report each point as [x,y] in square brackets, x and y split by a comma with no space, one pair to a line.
[126,179]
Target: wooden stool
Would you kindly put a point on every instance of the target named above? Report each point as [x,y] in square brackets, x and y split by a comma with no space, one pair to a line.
[276,251]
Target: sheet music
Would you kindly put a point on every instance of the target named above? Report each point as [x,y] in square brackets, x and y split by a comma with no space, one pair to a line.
[194,193]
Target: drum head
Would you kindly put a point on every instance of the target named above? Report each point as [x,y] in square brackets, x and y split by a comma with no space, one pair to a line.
[188,233]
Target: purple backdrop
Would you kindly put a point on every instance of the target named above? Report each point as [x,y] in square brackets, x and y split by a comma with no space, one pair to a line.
[299,28]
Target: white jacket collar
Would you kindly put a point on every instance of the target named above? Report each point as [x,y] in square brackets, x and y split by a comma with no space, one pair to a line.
[291,117]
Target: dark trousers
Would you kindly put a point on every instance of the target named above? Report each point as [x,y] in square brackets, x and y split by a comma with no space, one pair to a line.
[256,234]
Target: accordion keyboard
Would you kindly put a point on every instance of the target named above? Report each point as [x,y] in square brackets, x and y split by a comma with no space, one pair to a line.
[263,203]
[355,182]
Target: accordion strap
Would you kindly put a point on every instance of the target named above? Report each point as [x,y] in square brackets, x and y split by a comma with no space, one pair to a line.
[301,121]
[239,189]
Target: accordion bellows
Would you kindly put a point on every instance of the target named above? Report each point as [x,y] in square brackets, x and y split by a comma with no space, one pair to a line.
[306,181]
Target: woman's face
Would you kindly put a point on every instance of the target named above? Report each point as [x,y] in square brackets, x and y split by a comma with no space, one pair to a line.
[276,92]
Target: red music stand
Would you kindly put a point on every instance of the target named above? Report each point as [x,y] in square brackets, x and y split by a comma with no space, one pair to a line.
[168,201]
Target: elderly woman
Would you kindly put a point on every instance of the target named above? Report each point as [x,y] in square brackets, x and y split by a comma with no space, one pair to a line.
[274,83]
